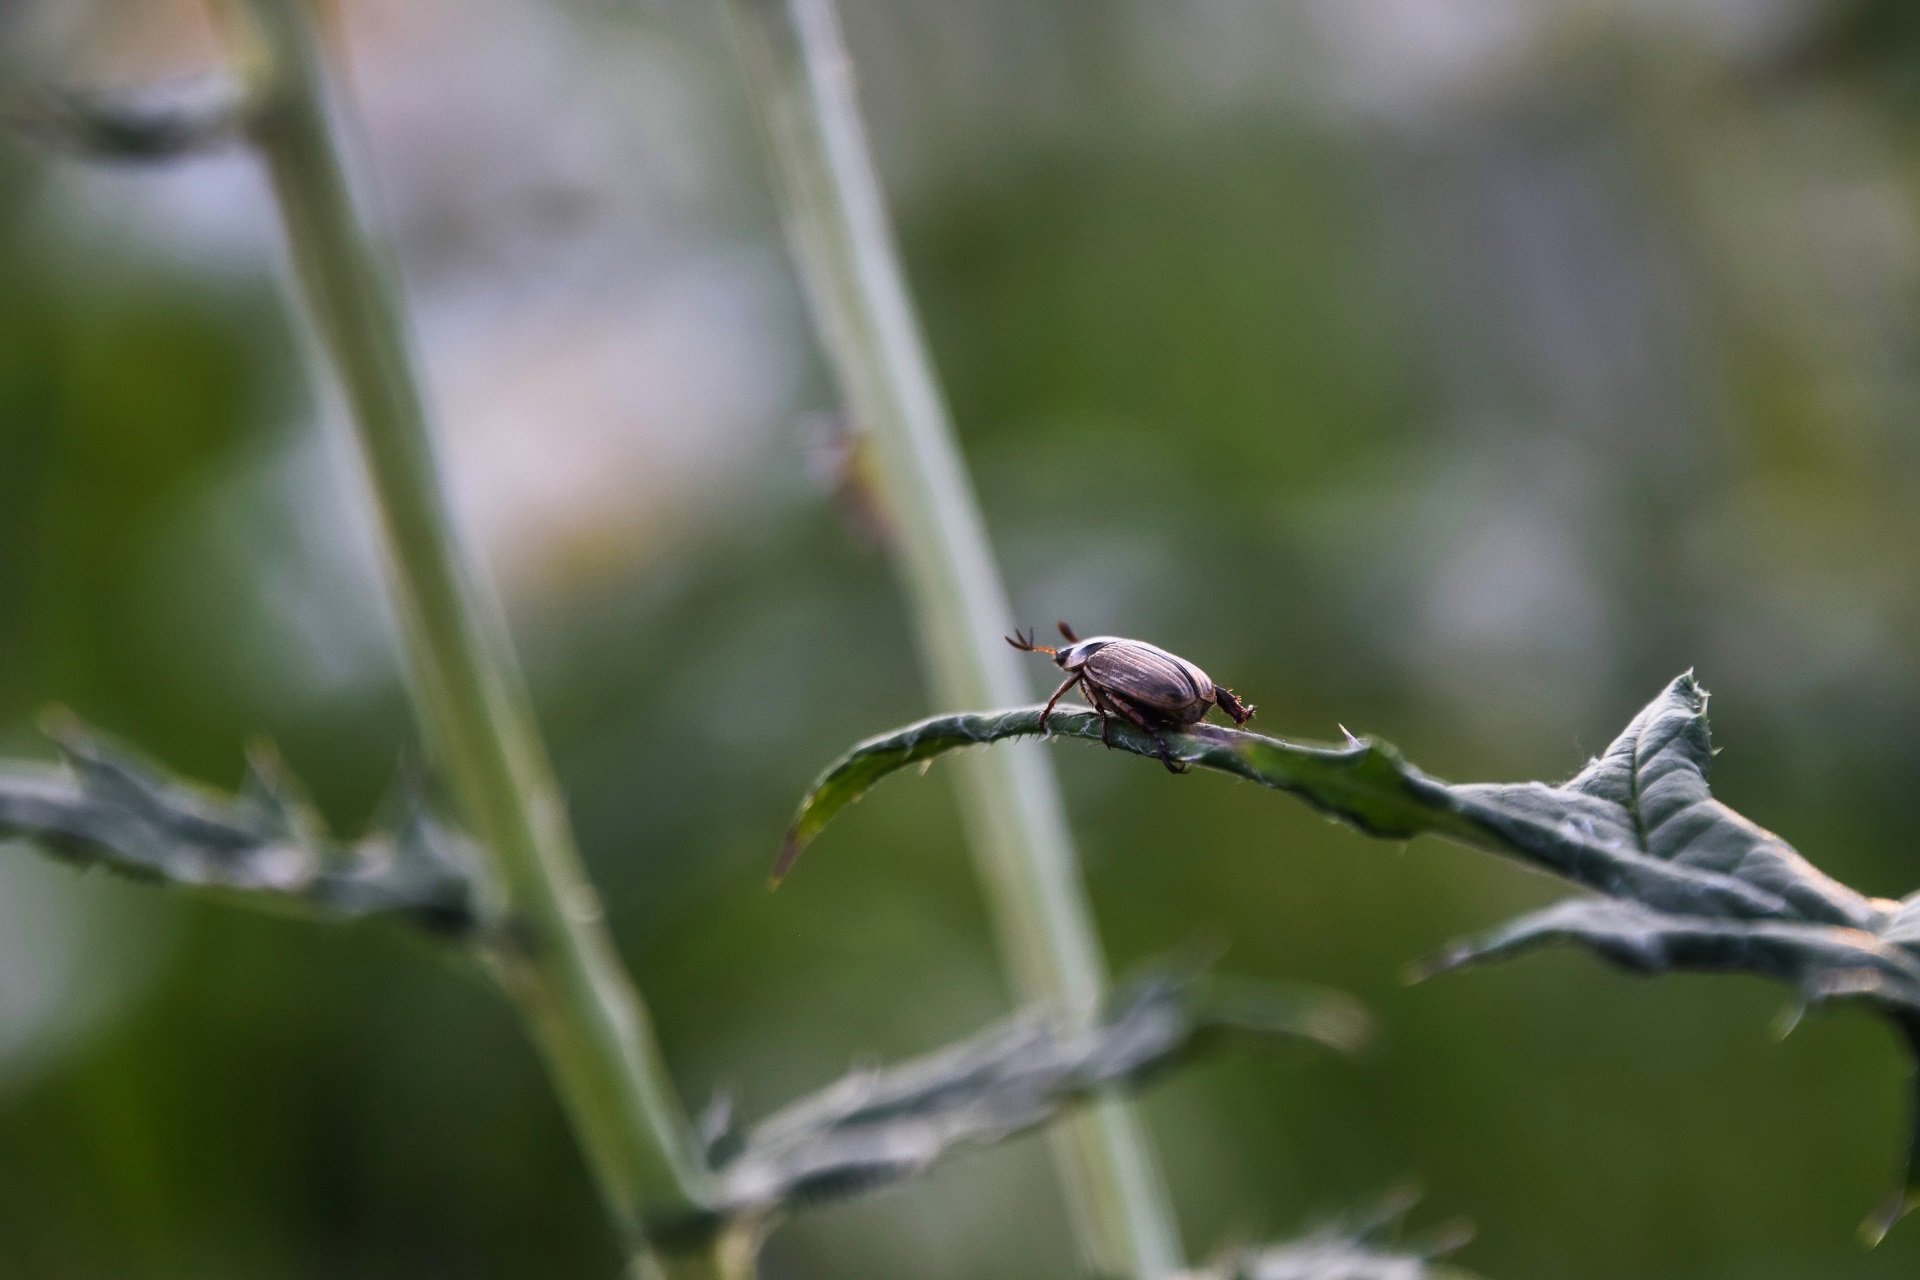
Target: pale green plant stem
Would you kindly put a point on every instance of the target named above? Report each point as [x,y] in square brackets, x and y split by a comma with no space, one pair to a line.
[796,65]
[550,949]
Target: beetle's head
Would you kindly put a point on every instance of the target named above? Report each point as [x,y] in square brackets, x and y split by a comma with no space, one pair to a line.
[1075,655]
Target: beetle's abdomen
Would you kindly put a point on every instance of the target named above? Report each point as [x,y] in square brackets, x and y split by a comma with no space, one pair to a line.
[1154,682]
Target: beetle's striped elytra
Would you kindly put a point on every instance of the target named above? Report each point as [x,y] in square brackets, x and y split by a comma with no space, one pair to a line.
[1141,683]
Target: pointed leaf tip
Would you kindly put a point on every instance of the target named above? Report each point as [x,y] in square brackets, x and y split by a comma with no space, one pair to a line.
[58,723]
[1435,965]
[791,847]
[1884,1219]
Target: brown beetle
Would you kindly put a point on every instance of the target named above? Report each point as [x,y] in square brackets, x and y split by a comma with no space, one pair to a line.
[1141,683]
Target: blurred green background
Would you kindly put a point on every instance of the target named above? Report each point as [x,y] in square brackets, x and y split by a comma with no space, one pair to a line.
[1454,370]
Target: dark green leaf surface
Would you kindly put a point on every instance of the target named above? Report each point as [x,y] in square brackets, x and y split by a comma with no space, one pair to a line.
[877,1127]
[110,808]
[1683,881]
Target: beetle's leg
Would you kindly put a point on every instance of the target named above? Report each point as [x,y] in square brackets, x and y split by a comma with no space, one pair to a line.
[1094,700]
[1240,711]
[1047,710]
[1138,720]
[1098,702]
[1166,755]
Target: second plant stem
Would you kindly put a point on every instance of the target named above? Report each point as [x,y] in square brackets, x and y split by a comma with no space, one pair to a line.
[796,64]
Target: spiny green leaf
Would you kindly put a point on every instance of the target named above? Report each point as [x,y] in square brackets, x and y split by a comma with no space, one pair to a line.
[110,808]
[877,1127]
[1580,834]
[1364,783]
[1683,881]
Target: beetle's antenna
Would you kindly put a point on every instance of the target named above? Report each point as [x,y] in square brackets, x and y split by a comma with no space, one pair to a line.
[1025,643]
[1067,631]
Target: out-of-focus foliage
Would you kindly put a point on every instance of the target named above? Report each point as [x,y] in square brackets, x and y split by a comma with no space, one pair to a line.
[112,809]
[1456,369]
[873,1128]
[1370,1246]
[165,124]
[1330,1259]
